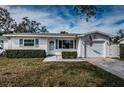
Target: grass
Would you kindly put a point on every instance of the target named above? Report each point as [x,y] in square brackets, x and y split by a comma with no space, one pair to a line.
[33,72]
[122,59]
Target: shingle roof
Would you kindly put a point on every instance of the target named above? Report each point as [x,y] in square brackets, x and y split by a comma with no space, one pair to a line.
[56,34]
[99,32]
[43,34]
[120,39]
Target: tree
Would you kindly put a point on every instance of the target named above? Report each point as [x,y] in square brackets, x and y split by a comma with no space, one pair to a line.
[35,26]
[24,26]
[87,11]
[118,36]
[7,23]
[31,26]
[120,33]
[44,29]
[115,39]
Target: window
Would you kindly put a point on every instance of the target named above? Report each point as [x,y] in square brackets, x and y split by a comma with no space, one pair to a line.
[21,42]
[60,43]
[94,36]
[29,42]
[1,48]
[1,41]
[37,42]
[66,44]
[75,43]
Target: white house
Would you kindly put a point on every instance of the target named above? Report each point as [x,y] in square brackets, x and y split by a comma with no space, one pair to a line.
[2,39]
[55,43]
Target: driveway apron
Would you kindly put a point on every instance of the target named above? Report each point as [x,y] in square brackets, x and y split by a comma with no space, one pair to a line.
[113,66]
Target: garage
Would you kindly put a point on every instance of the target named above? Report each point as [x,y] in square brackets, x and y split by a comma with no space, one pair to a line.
[96,50]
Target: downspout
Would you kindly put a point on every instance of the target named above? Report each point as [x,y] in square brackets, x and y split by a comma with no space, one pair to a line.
[85,49]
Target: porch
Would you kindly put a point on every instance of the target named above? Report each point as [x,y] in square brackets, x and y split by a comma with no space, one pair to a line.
[55,46]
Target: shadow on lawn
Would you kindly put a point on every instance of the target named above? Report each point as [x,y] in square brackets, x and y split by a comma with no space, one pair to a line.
[26,72]
[75,69]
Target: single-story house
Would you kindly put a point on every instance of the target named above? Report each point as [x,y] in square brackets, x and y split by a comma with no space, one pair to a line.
[2,39]
[55,43]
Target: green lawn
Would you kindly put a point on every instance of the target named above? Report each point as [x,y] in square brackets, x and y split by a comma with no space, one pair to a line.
[33,72]
[122,59]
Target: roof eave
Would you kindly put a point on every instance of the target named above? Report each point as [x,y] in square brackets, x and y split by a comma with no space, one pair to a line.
[7,35]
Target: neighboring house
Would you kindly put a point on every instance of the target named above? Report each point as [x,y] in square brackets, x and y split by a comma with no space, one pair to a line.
[121,41]
[55,43]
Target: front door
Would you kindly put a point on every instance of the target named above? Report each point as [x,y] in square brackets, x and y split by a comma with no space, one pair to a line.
[51,47]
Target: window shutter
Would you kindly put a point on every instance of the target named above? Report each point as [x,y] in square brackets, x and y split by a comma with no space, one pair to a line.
[37,42]
[21,42]
[75,44]
[56,44]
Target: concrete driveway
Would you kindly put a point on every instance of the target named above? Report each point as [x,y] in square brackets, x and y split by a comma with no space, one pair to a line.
[59,59]
[113,66]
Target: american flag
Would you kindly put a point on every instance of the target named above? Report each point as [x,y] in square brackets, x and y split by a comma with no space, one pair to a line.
[90,40]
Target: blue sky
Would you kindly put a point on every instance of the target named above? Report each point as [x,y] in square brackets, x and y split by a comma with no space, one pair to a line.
[64,18]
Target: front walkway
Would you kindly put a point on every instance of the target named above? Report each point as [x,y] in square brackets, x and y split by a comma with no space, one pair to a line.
[113,66]
[59,59]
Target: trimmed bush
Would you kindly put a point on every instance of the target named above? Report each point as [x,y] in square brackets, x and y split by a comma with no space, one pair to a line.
[25,53]
[69,54]
[121,50]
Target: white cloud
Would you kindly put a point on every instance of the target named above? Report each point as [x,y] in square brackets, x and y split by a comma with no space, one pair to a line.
[56,23]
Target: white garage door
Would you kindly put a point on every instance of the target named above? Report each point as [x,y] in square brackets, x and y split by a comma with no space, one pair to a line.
[96,50]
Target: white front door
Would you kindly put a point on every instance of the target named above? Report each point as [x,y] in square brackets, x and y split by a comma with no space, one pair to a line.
[51,47]
[96,50]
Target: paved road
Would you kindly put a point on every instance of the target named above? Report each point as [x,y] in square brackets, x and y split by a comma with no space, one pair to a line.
[113,66]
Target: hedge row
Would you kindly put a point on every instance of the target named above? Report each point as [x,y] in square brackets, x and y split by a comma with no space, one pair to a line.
[25,53]
[121,50]
[69,54]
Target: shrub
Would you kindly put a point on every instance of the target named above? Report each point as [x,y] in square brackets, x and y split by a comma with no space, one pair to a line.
[69,54]
[25,53]
[121,50]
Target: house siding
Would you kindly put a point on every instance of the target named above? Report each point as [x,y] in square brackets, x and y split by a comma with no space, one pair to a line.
[13,43]
[98,37]
[81,46]
[5,44]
